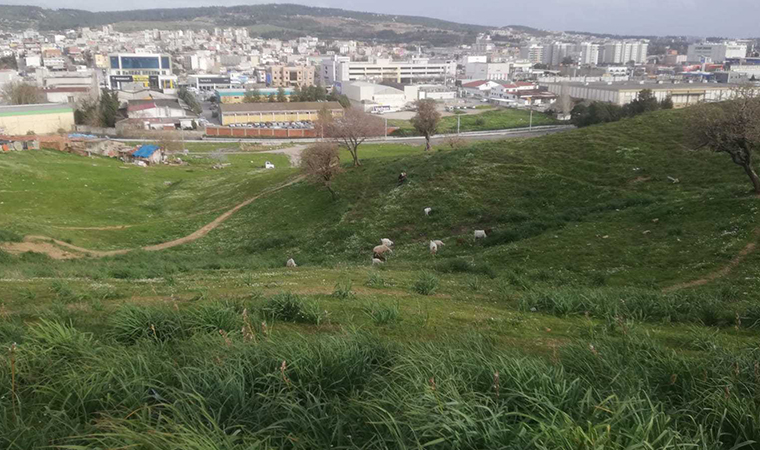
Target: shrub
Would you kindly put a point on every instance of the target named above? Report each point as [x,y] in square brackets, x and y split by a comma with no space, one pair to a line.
[343,290]
[290,307]
[375,280]
[460,265]
[9,236]
[383,315]
[426,284]
[133,323]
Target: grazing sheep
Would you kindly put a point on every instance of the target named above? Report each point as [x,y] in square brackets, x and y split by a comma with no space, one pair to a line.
[480,234]
[380,251]
[433,248]
[376,261]
[428,211]
[386,242]
[439,243]
[291,263]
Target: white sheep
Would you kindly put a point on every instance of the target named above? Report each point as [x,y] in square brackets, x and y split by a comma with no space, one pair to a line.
[380,251]
[428,210]
[439,243]
[480,234]
[376,261]
[291,263]
[386,242]
[433,248]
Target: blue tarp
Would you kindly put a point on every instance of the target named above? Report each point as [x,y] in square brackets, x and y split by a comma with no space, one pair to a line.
[145,151]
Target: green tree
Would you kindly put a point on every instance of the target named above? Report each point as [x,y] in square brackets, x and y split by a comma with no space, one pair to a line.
[281,97]
[645,102]
[295,96]
[667,103]
[189,98]
[8,63]
[108,110]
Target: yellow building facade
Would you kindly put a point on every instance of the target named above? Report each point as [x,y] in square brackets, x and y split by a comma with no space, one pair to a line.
[39,119]
[243,113]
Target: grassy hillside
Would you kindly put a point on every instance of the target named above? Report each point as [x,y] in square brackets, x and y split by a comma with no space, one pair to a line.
[498,119]
[288,20]
[555,332]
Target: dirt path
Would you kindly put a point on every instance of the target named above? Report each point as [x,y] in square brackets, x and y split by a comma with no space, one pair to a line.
[57,249]
[723,271]
[293,153]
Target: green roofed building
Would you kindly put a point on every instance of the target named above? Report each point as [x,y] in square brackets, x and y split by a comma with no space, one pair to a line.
[42,118]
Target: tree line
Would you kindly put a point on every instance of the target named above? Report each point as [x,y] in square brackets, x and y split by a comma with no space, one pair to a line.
[298,94]
[583,115]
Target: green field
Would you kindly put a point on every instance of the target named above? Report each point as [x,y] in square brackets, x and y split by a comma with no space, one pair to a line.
[569,327]
[498,119]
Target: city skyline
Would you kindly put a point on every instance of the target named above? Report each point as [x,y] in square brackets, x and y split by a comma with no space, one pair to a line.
[682,17]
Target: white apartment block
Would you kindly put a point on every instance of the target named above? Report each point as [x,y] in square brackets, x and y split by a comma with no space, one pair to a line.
[717,53]
[621,52]
[533,53]
[555,53]
[340,70]
[589,53]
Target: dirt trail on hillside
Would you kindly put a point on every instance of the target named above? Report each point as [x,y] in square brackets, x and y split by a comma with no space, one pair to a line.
[723,271]
[293,153]
[57,249]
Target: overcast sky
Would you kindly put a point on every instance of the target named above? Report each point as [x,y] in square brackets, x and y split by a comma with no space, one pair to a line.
[733,18]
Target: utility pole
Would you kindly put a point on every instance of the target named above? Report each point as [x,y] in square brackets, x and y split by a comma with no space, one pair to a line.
[530,124]
[459,122]
[386,127]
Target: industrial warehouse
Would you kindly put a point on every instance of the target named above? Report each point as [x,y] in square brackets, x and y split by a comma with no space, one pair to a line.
[275,113]
[38,119]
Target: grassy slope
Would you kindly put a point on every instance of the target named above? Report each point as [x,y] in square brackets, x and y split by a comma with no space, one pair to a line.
[45,192]
[569,212]
[569,202]
[499,119]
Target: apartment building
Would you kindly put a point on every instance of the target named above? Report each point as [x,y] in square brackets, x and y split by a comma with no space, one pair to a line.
[290,76]
[339,70]
[589,53]
[622,52]
[532,52]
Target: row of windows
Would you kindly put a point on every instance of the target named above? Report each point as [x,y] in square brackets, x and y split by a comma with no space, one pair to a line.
[140,62]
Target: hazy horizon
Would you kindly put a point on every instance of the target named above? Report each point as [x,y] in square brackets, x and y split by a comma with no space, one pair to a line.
[645,17]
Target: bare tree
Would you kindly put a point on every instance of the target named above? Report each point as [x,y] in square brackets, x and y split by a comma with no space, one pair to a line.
[22,93]
[427,119]
[170,141]
[323,122]
[731,127]
[353,128]
[321,164]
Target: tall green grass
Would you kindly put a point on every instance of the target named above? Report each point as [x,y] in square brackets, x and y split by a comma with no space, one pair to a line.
[191,388]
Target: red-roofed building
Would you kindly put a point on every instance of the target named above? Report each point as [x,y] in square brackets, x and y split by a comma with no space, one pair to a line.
[503,89]
[479,88]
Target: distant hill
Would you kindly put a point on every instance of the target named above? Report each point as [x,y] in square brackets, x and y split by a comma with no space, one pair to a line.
[270,20]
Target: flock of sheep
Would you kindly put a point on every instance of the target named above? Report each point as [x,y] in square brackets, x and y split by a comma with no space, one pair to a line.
[386,246]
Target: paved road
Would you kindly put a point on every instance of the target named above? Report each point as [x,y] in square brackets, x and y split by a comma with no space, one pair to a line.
[468,136]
